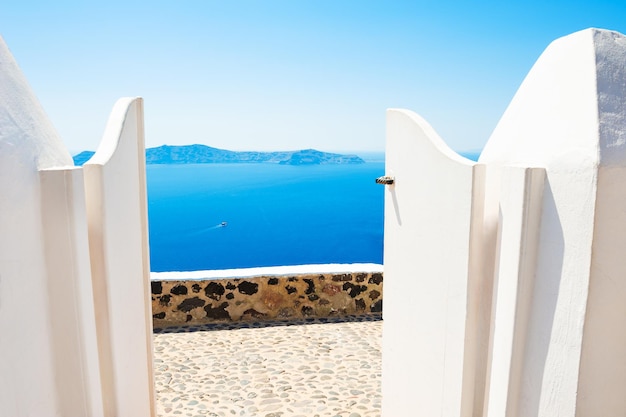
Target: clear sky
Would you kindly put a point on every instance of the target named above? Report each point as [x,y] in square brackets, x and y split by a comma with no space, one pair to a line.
[289,74]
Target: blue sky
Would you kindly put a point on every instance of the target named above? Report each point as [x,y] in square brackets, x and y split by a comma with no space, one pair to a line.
[281,75]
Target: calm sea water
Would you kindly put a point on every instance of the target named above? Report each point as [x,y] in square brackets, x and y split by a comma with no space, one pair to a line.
[272,214]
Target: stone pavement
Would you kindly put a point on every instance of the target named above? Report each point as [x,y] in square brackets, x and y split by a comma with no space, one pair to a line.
[318,367]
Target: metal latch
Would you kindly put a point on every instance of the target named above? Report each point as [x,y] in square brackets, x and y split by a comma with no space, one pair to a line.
[384,180]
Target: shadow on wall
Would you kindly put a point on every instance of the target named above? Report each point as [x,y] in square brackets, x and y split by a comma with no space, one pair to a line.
[544,302]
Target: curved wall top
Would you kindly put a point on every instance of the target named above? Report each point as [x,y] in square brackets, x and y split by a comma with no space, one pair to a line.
[113,132]
[29,144]
[115,187]
[569,109]
[430,137]
[568,117]
[27,138]
[428,214]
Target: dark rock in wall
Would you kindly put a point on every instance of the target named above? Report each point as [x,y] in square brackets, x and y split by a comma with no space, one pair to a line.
[253,313]
[248,288]
[310,286]
[179,290]
[214,291]
[190,303]
[374,294]
[376,278]
[360,277]
[218,313]
[156,287]
[342,277]
[164,300]
[354,289]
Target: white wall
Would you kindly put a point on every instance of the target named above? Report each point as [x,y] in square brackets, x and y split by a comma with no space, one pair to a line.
[427,243]
[44,302]
[603,362]
[71,308]
[118,242]
[71,346]
[520,196]
[568,117]
[544,215]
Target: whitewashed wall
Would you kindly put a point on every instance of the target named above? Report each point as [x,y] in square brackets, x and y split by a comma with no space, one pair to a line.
[520,196]
[568,117]
[428,214]
[48,363]
[71,346]
[74,340]
[118,242]
[505,282]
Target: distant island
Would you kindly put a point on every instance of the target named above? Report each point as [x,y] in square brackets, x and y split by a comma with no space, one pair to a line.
[202,154]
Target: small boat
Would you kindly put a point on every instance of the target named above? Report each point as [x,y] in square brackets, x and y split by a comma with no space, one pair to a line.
[224,224]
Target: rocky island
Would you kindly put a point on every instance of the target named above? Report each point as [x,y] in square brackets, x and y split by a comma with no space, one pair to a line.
[202,154]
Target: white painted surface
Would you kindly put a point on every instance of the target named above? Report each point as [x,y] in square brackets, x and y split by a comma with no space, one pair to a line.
[483,234]
[553,117]
[118,239]
[427,245]
[519,215]
[265,271]
[34,379]
[71,308]
[602,380]
[568,117]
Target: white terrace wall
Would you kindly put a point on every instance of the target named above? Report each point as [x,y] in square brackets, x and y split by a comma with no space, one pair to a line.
[49,362]
[537,229]
[62,353]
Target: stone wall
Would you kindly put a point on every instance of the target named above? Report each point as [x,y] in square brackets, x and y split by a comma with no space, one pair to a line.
[176,302]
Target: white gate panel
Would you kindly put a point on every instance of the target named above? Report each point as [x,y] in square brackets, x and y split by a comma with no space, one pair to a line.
[428,211]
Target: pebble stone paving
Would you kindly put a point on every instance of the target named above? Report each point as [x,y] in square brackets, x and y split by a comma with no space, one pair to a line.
[313,368]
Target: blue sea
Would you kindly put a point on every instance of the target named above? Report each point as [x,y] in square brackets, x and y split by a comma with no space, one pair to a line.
[222,216]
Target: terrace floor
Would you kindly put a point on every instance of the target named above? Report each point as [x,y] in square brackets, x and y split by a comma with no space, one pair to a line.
[319,367]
